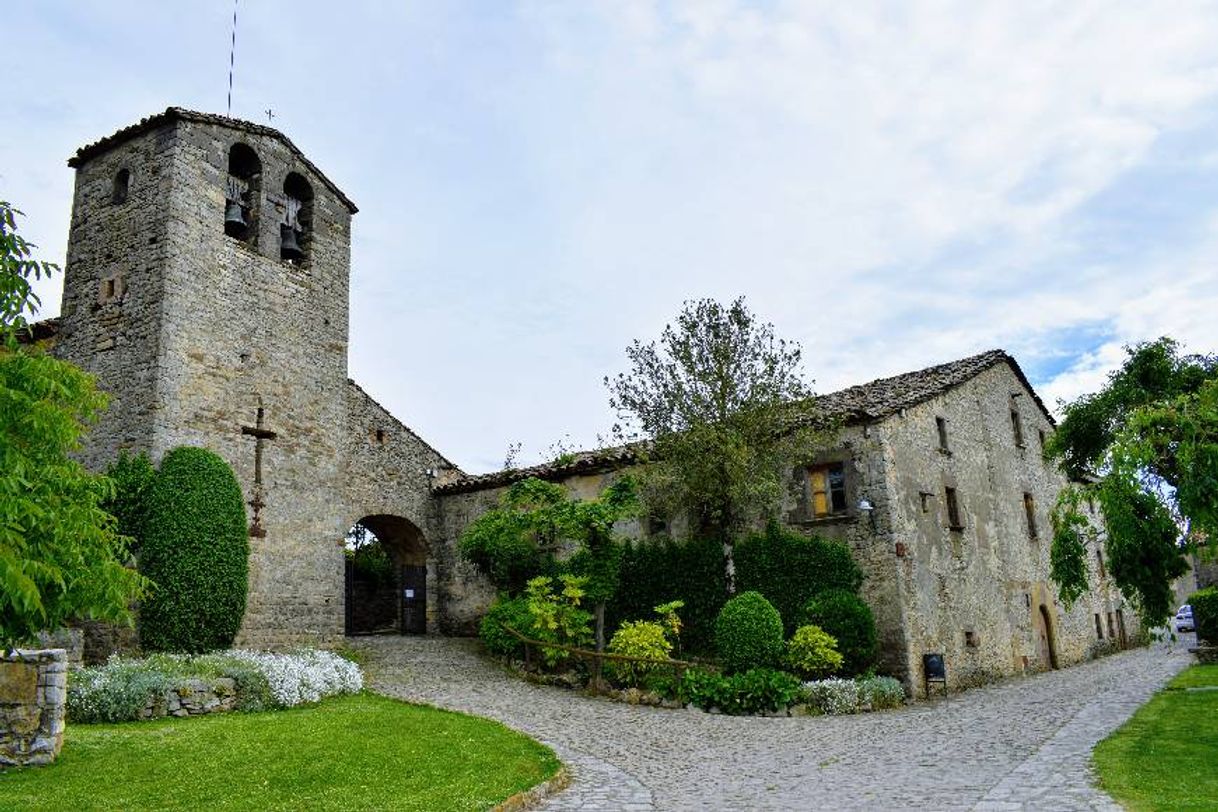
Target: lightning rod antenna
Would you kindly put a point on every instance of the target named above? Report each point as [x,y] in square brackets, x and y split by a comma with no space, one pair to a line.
[232,56]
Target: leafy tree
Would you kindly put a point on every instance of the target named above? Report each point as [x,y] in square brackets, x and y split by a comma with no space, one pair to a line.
[133,478]
[1145,448]
[61,557]
[519,539]
[726,409]
[196,549]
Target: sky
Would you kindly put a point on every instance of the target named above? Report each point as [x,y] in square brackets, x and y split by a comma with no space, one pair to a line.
[892,185]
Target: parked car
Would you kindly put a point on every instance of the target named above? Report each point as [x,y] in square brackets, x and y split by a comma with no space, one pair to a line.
[1184,619]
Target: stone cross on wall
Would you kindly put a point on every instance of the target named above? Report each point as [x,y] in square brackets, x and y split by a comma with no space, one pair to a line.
[260,434]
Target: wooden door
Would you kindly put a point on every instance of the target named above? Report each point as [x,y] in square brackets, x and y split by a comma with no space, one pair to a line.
[414,600]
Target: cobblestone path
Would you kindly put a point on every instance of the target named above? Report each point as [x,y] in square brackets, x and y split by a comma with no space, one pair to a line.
[1023,744]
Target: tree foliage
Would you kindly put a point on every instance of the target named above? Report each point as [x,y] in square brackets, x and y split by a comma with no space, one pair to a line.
[133,477]
[724,404]
[522,537]
[196,550]
[61,557]
[17,268]
[1145,448]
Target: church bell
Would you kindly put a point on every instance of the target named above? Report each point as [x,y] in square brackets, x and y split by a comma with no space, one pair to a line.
[288,247]
[234,215]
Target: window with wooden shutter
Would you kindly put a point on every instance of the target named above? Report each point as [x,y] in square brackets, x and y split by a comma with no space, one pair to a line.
[827,486]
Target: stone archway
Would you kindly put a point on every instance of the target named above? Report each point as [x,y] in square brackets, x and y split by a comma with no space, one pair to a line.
[386,577]
[1045,644]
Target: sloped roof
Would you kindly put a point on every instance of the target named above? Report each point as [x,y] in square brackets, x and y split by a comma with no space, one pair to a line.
[856,404]
[364,394]
[39,331]
[172,114]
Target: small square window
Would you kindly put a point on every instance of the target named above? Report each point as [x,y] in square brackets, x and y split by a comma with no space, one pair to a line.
[827,485]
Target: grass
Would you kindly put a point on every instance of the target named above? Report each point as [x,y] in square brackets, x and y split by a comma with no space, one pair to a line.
[1165,756]
[354,752]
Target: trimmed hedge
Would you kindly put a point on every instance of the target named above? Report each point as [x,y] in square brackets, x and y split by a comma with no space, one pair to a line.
[196,552]
[848,618]
[790,568]
[1205,614]
[662,570]
[785,566]
[748,633]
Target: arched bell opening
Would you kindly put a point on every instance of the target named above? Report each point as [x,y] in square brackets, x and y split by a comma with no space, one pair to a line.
[386,577]
[296,228]
[242,191]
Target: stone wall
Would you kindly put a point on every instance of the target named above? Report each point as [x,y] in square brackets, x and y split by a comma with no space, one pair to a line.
[975,593]
[33,696]
[194,697]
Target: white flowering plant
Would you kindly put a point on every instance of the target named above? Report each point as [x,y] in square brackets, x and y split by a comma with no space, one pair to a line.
[123,687]
[834,696]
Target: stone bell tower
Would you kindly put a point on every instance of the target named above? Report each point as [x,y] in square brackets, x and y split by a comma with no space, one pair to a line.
[207,289]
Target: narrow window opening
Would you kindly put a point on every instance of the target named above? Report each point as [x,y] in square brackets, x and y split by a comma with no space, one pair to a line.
[1099,563]
[1099,627]
[1029,508]
[242,191]
[941,426]
[827,484]
[1111,626]
[122,184]
[971,640]
[1040,433]
[1017,427]
[924,497]
[953,509]
[380,436]
[296,227]
[656,525]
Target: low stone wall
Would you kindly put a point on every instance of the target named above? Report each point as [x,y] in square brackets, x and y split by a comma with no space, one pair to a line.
[194,698]
[33,694]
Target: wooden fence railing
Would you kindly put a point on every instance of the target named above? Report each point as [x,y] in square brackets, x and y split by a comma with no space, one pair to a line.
[597,659]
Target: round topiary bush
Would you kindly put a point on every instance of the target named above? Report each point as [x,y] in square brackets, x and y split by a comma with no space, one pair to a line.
[748,633]
[845,616]
[196,552]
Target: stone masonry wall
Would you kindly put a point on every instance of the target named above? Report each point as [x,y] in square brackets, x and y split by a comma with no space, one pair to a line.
[975,593]
[114,285]
[33,696]
[388,472]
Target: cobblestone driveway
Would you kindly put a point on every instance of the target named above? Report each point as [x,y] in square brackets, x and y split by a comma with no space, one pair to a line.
[1020,745]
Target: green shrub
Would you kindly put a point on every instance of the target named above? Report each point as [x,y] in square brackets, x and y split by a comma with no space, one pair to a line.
[1205,614]
[640,638]
[845,616]
[790,568]
[115,692]
[881,693]
[812,653]
[196,552]
[748,633]
[133,478]
[512,612]
[758,690]
[558,617]
[657,571]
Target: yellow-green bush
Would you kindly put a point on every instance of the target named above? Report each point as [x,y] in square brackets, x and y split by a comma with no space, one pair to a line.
[641,638]
[812,653]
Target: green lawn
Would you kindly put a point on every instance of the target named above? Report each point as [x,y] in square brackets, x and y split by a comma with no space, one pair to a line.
[354,752]
[1166,756]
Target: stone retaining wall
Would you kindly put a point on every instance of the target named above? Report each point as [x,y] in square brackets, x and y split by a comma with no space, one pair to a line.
[194,698]
[33,694]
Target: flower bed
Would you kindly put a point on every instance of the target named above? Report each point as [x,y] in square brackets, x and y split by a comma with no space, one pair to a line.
[182,685]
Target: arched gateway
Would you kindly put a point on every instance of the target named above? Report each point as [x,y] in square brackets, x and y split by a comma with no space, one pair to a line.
[386,577]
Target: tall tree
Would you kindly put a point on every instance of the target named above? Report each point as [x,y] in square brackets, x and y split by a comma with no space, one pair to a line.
[61,556]
[725,408]
[1145,448]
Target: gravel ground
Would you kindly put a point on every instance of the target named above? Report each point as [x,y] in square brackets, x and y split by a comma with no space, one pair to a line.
[1022,744]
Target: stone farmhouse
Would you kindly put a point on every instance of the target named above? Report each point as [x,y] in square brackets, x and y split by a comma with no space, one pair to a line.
[206,287]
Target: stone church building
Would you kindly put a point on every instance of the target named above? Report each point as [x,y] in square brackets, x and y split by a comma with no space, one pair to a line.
[207,287]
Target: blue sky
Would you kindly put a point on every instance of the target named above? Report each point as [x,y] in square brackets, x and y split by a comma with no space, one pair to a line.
[892,184]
